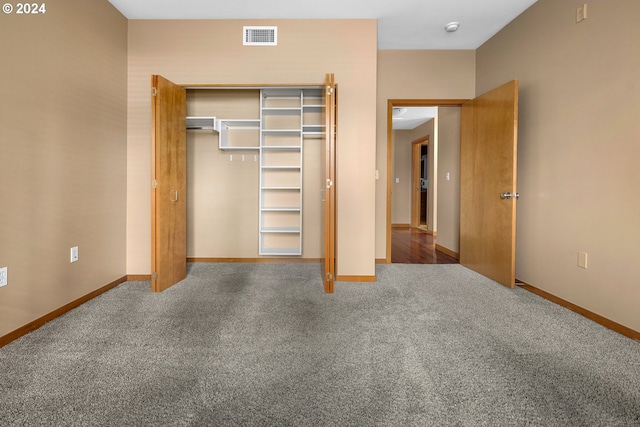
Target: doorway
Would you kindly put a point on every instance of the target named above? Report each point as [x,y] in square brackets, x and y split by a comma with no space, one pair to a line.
[421,228]
[487,175]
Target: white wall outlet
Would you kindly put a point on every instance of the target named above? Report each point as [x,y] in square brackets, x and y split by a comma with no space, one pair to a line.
[582,259]
[3,276]
[74,254]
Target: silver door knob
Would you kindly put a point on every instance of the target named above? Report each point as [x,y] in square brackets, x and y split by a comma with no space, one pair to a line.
[508,195]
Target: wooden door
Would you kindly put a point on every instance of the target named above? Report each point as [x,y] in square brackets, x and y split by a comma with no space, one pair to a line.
[488,158]
[328,182]
[417,194]
[168,194]
[416,153]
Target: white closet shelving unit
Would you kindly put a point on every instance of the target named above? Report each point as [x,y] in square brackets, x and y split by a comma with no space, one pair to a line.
[288,117]
[281,172]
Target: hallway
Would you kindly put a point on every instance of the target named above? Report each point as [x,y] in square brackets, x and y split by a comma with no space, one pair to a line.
[415,246]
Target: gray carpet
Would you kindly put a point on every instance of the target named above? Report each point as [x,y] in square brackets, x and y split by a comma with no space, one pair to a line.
[257,344]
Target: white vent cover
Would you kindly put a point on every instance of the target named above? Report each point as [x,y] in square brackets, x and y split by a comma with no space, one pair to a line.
[260,36]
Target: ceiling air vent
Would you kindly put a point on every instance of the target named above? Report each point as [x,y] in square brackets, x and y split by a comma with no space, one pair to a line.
[260,36]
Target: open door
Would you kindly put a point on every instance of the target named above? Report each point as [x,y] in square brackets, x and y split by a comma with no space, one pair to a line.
[488,157]
[418,197]
[328,182]
[168,174]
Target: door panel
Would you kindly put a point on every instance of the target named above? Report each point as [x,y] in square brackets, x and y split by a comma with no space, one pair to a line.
[416,152]
[417,195]
[328,183]
[168,198]
[488,156]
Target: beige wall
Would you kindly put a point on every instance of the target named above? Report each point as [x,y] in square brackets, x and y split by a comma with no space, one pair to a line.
[200,52]
[414,74]
[578,149]
[63,89]
[449,190]
[401,178]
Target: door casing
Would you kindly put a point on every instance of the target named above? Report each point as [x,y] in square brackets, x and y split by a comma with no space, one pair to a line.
[404,103]
[329,239]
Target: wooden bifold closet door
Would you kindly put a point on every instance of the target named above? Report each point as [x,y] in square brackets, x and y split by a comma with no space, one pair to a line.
[169,184]
[329,183]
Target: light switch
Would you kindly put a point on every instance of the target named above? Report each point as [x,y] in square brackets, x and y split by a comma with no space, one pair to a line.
[581,13]
[582,259]
[448,176]
[397,180]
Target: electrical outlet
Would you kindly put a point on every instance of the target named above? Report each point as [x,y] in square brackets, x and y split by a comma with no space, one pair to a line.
[74,254]
[3,276]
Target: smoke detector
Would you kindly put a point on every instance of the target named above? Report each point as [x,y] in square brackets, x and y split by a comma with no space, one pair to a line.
[398,111]
[452,27]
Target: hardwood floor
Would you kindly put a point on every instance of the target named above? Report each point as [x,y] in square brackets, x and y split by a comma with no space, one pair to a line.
[415,246]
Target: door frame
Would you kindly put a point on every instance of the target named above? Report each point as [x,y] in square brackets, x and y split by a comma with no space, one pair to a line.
[321,86]
[405,103]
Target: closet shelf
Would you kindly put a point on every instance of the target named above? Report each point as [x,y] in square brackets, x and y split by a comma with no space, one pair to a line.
[282,110]
[281,188]
[282,167]
[280,230]
[281,147]
[201,123]
[280,209]
[282,131]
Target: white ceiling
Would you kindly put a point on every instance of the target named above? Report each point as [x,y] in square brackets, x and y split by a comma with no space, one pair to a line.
[405,118]
[402,24]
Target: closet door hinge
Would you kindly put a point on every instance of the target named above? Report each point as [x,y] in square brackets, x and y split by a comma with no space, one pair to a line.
[154,184]
[329,183]
[154,91]
[154,276]
[329,90]
[329,276]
